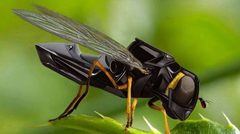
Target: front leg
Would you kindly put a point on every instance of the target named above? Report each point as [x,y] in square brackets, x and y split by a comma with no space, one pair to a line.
[161,109]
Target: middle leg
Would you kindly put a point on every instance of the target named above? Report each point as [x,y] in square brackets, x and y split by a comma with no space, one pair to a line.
[129,103]
[134,104]
[130,106]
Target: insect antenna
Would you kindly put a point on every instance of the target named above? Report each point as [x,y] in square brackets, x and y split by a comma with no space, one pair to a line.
[204,102]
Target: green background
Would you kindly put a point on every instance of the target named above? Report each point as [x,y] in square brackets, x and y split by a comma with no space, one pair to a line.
[202,35]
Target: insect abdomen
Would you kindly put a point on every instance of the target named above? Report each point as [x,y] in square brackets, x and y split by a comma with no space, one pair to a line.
[66,60]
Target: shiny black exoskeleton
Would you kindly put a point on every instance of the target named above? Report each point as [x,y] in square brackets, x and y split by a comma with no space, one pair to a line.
[179,103]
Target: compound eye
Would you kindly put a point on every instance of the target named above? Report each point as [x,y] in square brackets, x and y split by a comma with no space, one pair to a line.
[184,91]
[116,67]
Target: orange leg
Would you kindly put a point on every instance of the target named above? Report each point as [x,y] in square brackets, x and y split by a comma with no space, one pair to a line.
[102,68]
[129,104]
[75,102]
[161,109]
[133,107]
[71,106]
[134,104]
[130,107]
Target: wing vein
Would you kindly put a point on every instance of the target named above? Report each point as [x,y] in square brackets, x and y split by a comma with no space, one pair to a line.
[79,33]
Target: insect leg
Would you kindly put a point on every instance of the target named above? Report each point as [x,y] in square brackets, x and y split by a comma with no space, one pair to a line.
[72,105]
[120,87]
[129,103]
[130,107]
[134,104]
[161,109]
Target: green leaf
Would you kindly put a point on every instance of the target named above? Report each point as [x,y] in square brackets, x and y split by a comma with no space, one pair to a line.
[90,125]
[204,126]
[105,125]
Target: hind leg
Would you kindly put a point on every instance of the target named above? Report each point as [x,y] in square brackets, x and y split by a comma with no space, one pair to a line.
[71,106]
[75,102]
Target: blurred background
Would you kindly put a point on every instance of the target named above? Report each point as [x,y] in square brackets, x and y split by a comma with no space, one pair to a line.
[202,35]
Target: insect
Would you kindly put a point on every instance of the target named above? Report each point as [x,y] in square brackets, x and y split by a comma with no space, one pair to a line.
[139,71]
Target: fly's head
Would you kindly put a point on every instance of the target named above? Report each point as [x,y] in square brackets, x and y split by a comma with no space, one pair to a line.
[181,91]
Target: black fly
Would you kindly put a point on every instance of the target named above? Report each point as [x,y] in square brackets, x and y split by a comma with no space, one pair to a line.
[139,71]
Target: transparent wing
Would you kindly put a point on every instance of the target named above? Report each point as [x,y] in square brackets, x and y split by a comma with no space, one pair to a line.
[80,34]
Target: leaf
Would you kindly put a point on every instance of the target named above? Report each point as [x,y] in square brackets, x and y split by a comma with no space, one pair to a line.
[105,125]
[204,126]
[90,125]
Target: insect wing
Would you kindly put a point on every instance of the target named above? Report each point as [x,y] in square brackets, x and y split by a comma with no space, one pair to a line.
[80,34]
